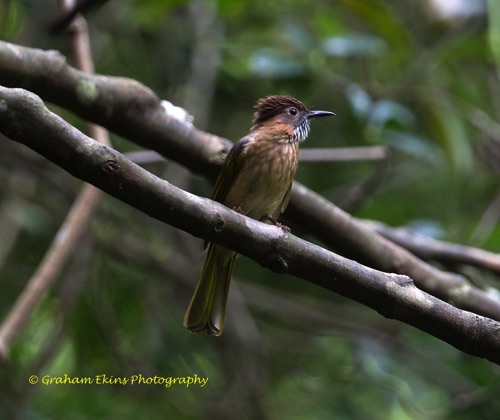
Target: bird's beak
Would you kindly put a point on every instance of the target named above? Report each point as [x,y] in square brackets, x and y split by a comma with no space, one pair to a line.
[315,114]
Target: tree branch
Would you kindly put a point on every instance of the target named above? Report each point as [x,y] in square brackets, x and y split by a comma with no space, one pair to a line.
[121,105]
[72,228]
[432,249]
[130,109]
[340,230]
[24,118]
[343,154]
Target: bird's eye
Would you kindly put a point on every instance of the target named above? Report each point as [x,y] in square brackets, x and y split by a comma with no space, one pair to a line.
[292,111]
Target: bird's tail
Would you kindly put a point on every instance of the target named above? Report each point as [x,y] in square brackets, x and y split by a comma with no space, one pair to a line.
[205,313]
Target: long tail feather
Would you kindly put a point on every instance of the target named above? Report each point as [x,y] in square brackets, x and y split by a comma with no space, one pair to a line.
[205,313]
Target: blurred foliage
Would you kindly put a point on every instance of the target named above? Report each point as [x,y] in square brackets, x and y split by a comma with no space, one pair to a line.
[397,73]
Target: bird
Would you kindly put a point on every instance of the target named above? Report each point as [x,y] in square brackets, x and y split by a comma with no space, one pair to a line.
[255,180]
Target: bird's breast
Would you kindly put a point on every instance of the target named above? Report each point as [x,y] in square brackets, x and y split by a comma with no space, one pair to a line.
[268,172]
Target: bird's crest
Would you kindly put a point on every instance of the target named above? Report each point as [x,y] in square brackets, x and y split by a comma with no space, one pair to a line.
[273,105]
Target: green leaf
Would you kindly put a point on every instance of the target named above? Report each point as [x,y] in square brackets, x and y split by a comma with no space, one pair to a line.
[354,45]
[494,29]
[449,131]
[269,63]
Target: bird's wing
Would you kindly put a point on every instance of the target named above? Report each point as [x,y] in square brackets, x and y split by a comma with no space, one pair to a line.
[285,201]
[230,170]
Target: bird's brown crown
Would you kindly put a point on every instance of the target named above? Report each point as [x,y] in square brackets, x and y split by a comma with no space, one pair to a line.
[273,105]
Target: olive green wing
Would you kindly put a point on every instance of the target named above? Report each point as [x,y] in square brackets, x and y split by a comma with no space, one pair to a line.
[286,199]
[230,170]
[284,203]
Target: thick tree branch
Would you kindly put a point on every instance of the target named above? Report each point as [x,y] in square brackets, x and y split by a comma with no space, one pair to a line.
[122,105]
[357,241]
[135,112]
[432,249]
[24,118]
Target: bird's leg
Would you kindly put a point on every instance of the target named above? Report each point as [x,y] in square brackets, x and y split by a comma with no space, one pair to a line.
[284,228]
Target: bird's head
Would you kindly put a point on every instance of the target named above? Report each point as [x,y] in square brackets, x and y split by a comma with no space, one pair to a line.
[288,112]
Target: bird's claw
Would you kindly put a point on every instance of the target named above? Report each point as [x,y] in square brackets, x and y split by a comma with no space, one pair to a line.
[284,228]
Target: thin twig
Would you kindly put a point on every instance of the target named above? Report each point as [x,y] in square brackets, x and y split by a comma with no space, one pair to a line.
[67,15]
[343,154]
[46,273]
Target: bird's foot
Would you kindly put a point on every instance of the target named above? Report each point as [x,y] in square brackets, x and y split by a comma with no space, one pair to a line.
[238,209]
[284,228]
